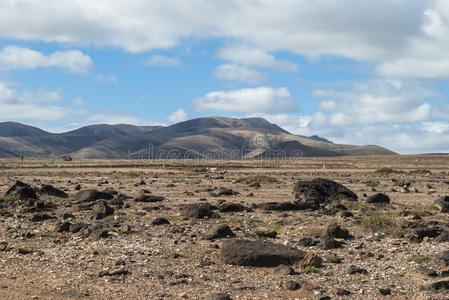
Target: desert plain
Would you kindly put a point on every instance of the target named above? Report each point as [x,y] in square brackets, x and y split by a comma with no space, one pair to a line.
[167,229]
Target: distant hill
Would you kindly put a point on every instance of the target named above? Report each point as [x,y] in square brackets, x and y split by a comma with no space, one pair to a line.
[214,137]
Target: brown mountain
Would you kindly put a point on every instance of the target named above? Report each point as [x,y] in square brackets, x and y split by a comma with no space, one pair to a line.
[215,137]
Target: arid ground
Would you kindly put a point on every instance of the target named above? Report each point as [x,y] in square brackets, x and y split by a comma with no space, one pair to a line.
[139,240]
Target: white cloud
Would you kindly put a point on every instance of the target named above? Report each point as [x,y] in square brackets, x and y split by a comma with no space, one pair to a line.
[15,57]
[178,116]
[36,105]
[79,101]
[255,57]
[163,61]
[250,100]
[241,73]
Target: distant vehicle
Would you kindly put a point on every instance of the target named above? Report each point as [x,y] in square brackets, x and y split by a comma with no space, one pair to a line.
[67,158]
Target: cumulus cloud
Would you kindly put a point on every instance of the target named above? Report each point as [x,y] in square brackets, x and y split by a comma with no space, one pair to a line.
[240,73]
[255,57]
[250,100]
[36,105]
[163,61]
[177,116]
[15,57]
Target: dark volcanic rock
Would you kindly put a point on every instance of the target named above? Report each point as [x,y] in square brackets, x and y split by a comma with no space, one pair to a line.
[378,198]
[321,191]
[328,242]
[443,203]
[220,232]
[222,191]
[197,210]
[292,285]
[231,207]
[21,191]
[149,198]
[92,195]
[101,210]
[280,206]
[442,258]
[336,231]
[52,191]
[160,221]
[218,297]
[258,253]
[284,270]
[41,217]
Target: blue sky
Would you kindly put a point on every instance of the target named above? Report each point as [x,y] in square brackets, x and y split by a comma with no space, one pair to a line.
[362,73]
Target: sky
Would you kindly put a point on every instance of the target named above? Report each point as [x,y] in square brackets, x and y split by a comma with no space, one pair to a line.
[355,72]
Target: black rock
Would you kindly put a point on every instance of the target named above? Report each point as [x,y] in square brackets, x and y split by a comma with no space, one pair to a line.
[385,291]
[63,226]
[442,258]
[336,231]
[321,191]
[222,191]
[258,253]
[443,203]
[328,242]
[220,232]
[74,228]
[52,191]
[101,210]
[231,207]
[321,296]
[149,198]
[278,206]
[357,270]
[284,270]
[307,242]
[197,210]
[378,198]
[92,195]
[21,191]
[292,285]
[218,297]
[160,221]
[427,271]
[41,217]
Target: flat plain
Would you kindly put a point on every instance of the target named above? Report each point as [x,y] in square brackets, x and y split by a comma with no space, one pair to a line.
[153,229]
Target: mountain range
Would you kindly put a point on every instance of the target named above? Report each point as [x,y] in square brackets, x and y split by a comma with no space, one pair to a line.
[215,137]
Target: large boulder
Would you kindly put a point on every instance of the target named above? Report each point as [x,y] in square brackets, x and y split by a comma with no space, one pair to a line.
[21,191]
[259,253]
[92,195]
[198,210]
[50,190]
[320,192]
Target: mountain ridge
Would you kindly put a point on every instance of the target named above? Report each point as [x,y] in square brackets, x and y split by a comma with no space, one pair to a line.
[219,137]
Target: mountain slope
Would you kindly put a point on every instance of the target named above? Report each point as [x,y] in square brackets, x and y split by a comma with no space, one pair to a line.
[214,137]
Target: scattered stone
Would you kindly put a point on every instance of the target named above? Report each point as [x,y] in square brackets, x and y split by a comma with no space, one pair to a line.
[63,226]
[21,191]
[263,232]
[160,221]
[442,258]
[321,296]
[332,259]
[149,198]
[218,297]
[284,270]
[356,270]
[292,285]
[222,191]
[38,217]
[197,210]
[231,207]
[220,232]
[114,272]
[427,271]
[311,260]
[101,210]
[258,253]
[50,190]
[385,291]
[336,231]
[342,292]
[255,185]
[278,206]
[328,242]
[442,284]
[307,242]
[378,198]
[443,203]
[92,195]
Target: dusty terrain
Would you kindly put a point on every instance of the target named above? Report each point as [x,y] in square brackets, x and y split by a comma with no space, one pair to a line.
[392,252]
